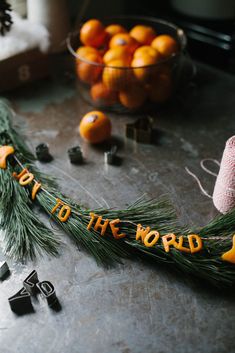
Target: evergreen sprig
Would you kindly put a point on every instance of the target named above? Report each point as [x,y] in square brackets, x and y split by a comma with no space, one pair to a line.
[26,235]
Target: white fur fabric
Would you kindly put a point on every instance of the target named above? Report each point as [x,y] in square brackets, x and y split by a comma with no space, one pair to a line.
[24,35]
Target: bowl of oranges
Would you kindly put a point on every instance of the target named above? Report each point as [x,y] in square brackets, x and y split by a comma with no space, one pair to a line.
[128,63]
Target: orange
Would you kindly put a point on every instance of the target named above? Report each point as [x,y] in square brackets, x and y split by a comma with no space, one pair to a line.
[116,54]
[160,89]
[95,127]
[141,72]
[102,95]
[123,40]
[84,51]
[93,33]
[143,34]
[117,75]
[115,29]
[105,45]
[134,97]
[88,72]
[166,45]
[147,50]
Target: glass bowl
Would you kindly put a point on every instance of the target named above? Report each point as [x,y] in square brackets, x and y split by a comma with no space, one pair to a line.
[129,88]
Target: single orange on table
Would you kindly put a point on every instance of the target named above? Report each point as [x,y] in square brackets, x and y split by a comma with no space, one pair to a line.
[143,34]
[166,45]
[103,95]
[124,40]
[160,89]
[116,54]
[89,72]
[115,29]
[117,75]
[95,127]
[134,97]
[93,33]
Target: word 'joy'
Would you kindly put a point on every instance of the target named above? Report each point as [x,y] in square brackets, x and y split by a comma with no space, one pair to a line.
[25,178]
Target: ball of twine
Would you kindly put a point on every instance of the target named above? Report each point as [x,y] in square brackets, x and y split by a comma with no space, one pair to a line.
[224,191]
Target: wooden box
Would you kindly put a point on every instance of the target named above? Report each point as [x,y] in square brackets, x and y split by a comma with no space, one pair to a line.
[23,68]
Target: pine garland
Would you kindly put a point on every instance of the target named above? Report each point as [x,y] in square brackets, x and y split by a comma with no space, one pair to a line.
[26,235]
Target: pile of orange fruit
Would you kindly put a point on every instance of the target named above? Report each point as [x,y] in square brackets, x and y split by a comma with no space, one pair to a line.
[126,67]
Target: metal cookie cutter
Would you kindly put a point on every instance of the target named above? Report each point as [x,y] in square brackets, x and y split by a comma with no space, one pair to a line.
[42,153]
[141,130]
[75,155]
[4,270]
[30,283]
[110,157]
[21,303]
[47,290]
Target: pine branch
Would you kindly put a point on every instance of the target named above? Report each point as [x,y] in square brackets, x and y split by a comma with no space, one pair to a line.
[159,215]
[104,250]
[24,234]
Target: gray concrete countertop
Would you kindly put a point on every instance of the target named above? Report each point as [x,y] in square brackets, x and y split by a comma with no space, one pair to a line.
[135,307]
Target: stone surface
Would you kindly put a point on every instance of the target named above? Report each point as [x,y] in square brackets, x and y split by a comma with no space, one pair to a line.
[135,307]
